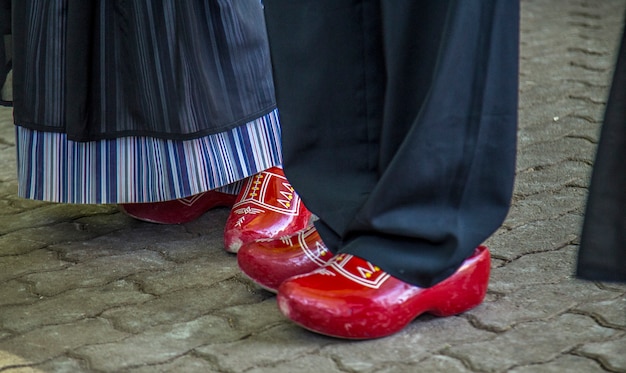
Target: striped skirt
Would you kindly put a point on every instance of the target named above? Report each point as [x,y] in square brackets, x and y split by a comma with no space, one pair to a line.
[142,169]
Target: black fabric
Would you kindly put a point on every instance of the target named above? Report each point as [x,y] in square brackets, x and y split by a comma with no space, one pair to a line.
[5,55]
[602,252]
[399,124]
[175,69]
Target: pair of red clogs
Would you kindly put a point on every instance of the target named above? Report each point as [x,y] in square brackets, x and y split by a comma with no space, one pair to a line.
[343,295]
[347,297]
[266,207]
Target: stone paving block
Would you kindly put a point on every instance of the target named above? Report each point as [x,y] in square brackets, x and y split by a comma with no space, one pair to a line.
[549,153]
[536,236]
[547,205]
[4,334]
[538,302]
[425,336]
[611,354]
[7,135]
[12,267]
[254,317]
[433,364]
[181,305]
[532,342]
[186,364]
[267,348]
[552,178]
[210,224]
[10,360]
[70,306]
[551,267]
[203,271]
[158,345]
[307,363]
[8,170]
[565,363]
[16,243]
[138,236]
[11,204]
[52,341]
[191,248]
[48,214]
[611,312]
[63,364]
[14,292]
[26,240]
[97,272]
[571,125]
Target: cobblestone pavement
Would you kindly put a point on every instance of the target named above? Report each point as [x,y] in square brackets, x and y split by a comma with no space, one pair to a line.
[87,289]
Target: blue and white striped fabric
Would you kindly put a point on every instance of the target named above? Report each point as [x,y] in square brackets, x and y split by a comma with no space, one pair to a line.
[142,169]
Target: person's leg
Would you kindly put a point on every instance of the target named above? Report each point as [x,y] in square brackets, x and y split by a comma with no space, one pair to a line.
[327,71]
[602,252]
[402,142]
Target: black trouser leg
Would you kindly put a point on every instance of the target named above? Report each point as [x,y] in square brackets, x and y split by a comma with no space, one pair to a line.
[399,124]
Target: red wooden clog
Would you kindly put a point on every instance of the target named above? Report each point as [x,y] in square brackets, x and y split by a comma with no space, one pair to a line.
[270,262]
[266,207]
[352,298]
[178,211]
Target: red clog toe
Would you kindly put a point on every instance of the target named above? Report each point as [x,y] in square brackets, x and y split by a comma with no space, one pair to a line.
[270,262]
[352,298]
[267,207]
[178,211]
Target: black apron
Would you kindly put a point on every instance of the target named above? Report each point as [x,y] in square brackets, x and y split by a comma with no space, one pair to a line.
[5,52]
[175,69]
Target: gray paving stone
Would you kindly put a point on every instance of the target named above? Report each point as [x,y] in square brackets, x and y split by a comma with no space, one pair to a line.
[52,341]
[70,306]
[16,243]
[11,204]
[551,267]
[536,236]
[308,363]
[433,364]
[14,292]
[48,214]
[97,272]
[190,248]
[611,354]
[548,129]
[548,153]
[186,364]
[565,363]
[537,302]
[547,205]
[158,345]
[533,342]
[552,178]
[180,305]
[253,317]
[267,348]
[203,271]
[610,312]
[12,267]
[140,236]
[63,364]
[425,336]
